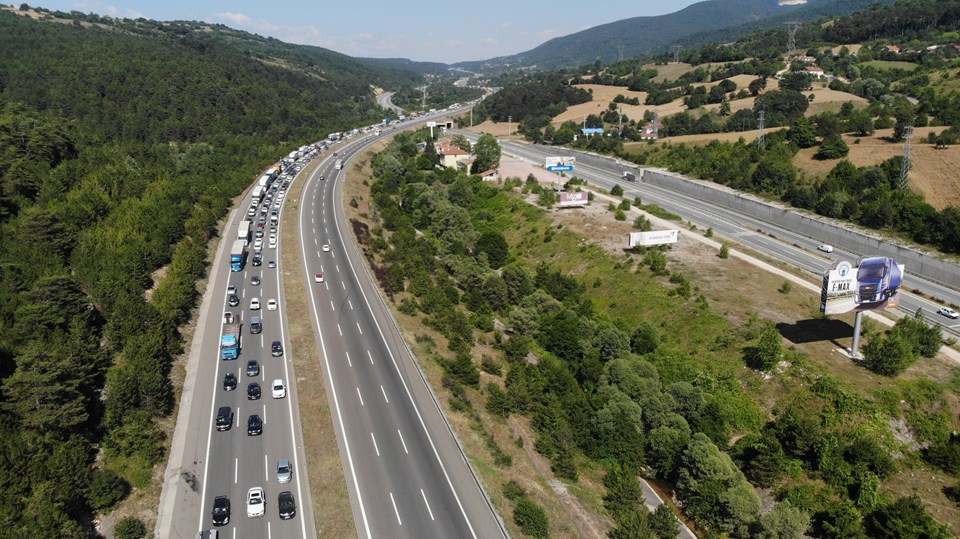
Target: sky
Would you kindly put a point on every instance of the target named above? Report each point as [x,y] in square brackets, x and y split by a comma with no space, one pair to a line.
[447,32]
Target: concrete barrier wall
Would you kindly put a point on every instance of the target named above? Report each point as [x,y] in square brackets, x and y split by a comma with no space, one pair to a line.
[815,227]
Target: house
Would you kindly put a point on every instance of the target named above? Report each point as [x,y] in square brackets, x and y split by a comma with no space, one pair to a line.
[452,156]
[815,71]
[892,48]
[805,59]
[649,131]
[491,175]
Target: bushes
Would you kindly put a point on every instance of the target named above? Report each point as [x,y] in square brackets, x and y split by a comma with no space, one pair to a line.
[531,518]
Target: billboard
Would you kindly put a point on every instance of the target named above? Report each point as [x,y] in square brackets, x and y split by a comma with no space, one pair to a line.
[654,237]
[572,199]
[871,285]
[560,163]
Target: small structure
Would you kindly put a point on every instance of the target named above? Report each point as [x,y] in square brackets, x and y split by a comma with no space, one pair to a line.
[892,48]
[491,175]
[452,156]
[815,71]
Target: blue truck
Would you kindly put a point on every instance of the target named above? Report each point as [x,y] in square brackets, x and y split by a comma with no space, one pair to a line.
[237,255]
[878,280]
[230,340]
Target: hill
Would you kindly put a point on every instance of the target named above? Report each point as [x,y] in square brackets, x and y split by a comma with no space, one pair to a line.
[640,36]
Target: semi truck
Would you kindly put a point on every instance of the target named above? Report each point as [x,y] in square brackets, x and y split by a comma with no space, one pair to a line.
[243,231]
[339,164]
[230,340]
[257,193]
[878,280]
[237,255]
[629,176]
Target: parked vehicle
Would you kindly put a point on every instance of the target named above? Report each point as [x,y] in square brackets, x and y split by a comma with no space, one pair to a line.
[243,231]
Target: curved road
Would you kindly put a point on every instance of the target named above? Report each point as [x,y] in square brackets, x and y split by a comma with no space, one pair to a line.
[406,474]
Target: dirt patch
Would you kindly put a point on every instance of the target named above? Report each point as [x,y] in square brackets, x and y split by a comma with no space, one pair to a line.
[333,516]
[933,174]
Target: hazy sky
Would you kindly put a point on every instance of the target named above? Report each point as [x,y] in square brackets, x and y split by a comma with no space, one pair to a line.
[428,31]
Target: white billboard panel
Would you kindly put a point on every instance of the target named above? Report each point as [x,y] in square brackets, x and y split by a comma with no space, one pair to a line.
[560,163]
[654,237]
[872,285]
[570,199]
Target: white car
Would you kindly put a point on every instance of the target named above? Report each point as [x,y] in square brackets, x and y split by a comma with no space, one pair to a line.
[255,502]
[326,248]
[825,248]
[318,278]
[258,244]
[255,304]
[948,312]
[271,305]
[279,390]
[273,243]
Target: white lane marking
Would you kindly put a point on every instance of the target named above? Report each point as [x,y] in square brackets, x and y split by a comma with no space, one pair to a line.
[402,442]
[350,303]
[377,449]
[425,502]
[238,417]
[384,391]
[339,329]
[332,306]
[264,413]
[266,469]
[395,509]
[234,533]
[343,285]
[360,329]
[268,528]
[236,468]
[337,267]
[369,355]
[361,399]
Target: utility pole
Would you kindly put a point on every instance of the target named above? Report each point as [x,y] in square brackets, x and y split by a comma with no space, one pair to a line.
[620,119]
[760,139]
[509,125]
[904,182]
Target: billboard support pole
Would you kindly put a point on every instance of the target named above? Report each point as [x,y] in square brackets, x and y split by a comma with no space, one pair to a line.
[855,349]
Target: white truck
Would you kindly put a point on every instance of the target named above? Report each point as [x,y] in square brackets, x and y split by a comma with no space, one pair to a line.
[243,231]
[257,193]
[339,164]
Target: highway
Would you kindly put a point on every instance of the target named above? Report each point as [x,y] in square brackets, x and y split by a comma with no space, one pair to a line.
[776,242]
[206,463]
[406,474]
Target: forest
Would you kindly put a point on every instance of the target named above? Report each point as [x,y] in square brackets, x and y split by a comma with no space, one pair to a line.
[120,152]
[651,385]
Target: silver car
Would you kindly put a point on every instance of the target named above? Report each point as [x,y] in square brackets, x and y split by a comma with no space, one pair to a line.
[284,471]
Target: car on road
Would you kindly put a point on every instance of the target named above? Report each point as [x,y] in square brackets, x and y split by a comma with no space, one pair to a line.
[255,502]
[253,368]
[276,349]
[221,511]
[279,390]
[272,305]
[253,391]
[322,178]
[254,425]
[326,248]
[286,505]
[825,248]
[318,278]
[254,304]
[255,280]
[255,325]
[948,312]
[229,381]
[272,264]
[224,418]
[273,243]
[258,244]
[284,471]
[257,259]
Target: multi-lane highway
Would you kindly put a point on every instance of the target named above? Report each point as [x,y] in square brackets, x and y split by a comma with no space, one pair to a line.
[779,243]
[405,473]
[206,463]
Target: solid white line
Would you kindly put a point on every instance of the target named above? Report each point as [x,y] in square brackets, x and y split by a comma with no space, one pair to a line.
[350,303]
[268,527]
[384,391]
[360,329]
[369,355]
[336,403]
[425,502]
[395,509]
[266,469]
[238,417]
[361,398]
[377,449]
[402,442]
[264,414]
[236,468]
[339,329]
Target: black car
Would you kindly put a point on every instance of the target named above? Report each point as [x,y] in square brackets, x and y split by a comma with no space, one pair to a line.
[286,505]
[257,259]
[253,368]
[229,381]
[255,280]
[253,391]
[224,418]
[254,425]
[276,349]
[221,511]
[233,300]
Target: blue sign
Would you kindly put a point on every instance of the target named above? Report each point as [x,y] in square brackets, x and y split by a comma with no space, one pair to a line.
[560,168]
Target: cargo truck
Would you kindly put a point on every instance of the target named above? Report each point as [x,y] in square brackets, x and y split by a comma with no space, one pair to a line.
[878,280]
[230,341]
[257,194]
[243,231]
[629,176]
[237,255]
[339,164]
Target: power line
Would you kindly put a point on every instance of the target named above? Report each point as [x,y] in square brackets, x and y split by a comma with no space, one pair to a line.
[620,51]
[675,49]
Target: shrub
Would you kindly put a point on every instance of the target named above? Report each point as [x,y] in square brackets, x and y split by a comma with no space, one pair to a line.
[617,191]
[785,288]
[724,250]
[513,491]
[531,518]
[619,215]
[130,528]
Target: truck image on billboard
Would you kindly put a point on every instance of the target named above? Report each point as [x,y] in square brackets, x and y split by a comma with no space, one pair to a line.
[873,284]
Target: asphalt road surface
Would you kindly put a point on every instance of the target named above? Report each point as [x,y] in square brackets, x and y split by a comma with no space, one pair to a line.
[406,475]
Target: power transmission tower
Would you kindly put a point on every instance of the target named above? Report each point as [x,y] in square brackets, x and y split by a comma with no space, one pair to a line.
[675,49]
[760,138]
[792,27]
[423,100]
[656,125]
[620,50]
[904,182]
